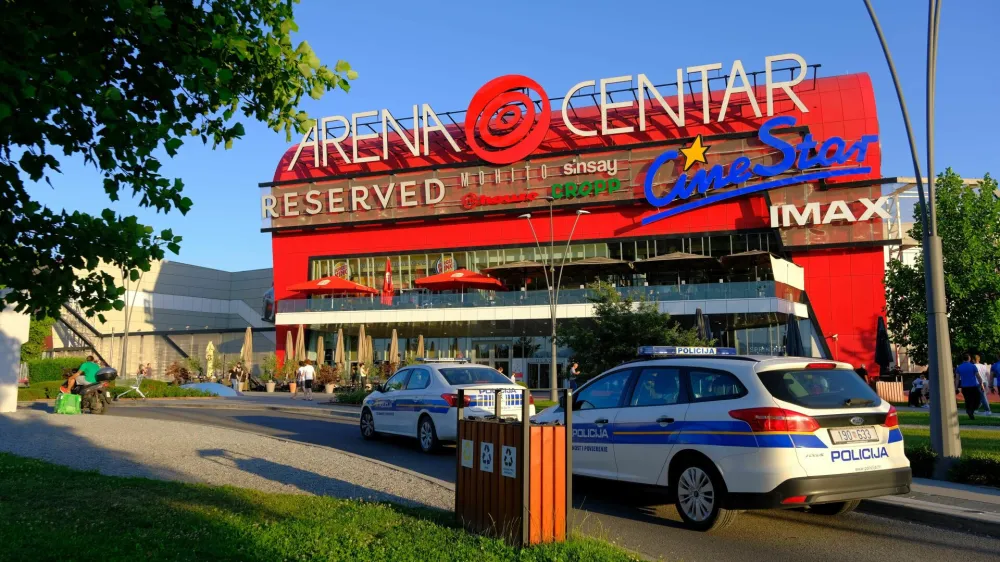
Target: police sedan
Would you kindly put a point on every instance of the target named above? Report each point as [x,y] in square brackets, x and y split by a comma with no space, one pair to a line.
[723,433]
[421,401]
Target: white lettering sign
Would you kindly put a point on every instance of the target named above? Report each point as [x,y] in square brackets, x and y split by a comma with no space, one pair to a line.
[837,211]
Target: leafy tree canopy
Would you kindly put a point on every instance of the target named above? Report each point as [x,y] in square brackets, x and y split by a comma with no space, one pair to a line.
[619,326]
[119,82]
[969,226]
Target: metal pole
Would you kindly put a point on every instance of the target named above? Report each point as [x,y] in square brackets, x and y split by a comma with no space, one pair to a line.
[569,457]
[525,467]
[554,369]
[944,411]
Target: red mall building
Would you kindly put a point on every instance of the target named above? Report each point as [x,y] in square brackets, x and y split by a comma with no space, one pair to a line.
[755,210]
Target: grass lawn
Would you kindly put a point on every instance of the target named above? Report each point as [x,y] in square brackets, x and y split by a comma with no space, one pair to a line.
[924,418]
[53,513]
[974,442]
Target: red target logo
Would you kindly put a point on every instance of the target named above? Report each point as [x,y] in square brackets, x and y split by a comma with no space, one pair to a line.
[502,124]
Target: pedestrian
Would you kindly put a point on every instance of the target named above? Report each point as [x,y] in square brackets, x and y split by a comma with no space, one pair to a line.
[148,371]
[574,372]
[984,378]
[995,370]
[500,370]
[916,392]
[862,372]
[969,383]
[354,376]
[308,374]
[363,376]
[299,379]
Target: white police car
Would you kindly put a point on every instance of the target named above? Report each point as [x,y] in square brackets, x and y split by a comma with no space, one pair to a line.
[420,401]
[724,432]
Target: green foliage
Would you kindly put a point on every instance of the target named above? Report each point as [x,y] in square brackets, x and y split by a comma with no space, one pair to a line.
[41,370]
[619,326]
[152,389]
[193,365]
[268,367]
[352,396]
[231,523]
[969,226]
[39,329]
[118,84]
[979,463]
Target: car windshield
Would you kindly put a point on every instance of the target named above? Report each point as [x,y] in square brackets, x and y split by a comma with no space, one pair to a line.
[820,388]
[473,375]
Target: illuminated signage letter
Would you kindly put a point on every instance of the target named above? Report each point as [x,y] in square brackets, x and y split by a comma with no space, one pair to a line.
[336,203]
[838,211]
[428,113]
[876,208]
[267,204]
[387,120]
[565,109]
[357,137]
[324,128]
[407,194]
[745,88]
[809,214]
[785,86]
[313,204]
[705,94]
[290,206]
[646,86]
[606,105]
[433,200]
[384,198]
[304,143]
[359,198]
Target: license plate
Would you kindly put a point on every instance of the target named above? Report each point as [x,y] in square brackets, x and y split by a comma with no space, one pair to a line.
[864,434]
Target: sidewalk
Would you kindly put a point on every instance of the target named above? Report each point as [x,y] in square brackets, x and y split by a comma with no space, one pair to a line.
[961,507]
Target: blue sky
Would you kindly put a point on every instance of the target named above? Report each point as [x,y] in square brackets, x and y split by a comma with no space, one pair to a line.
[442,52]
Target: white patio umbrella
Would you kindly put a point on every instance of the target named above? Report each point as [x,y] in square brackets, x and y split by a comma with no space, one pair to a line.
[420,347]
[394,351]
[300,344]
[338,354]
[320,351]
[209,358]
[246,352]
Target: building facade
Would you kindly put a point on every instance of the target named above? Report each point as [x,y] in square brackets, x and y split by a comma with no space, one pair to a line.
[757,209]
[173,311]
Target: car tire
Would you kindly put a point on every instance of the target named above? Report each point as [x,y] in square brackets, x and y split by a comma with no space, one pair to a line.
[427,435]
[367,425]
[700,493]
[835,508]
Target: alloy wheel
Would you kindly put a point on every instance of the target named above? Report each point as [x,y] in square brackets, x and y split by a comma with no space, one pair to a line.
[696,494]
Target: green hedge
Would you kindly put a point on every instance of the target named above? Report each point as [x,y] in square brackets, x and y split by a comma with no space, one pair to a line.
[352,397]
[152,389]
[978,468]
[42,370]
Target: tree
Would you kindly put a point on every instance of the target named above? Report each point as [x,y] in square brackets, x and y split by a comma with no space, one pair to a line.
[39,329]
[115,83]
[619,326]
[969,226]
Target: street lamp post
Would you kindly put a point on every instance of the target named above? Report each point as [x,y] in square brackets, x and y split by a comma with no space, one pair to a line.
[553,282]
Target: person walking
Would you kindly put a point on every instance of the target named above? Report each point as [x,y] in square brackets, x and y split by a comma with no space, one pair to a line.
[574,372]
[969,383]
[916,396]
[363,376]
[984,378]
[299,379]
[995,371]
[308,374]
[354,377]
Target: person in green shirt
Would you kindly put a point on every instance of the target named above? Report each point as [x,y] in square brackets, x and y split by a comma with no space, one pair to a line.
[87,374]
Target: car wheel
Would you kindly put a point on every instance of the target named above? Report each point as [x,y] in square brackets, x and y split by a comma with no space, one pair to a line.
[427,435]
[835,508]
[700,493]
[368,425]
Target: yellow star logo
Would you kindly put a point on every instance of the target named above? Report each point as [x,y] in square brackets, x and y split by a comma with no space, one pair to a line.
[695,153]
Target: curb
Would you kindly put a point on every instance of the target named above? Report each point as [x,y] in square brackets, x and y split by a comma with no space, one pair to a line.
[935,515]
[320,411]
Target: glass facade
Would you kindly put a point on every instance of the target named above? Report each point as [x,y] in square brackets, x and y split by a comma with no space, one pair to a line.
[370,270]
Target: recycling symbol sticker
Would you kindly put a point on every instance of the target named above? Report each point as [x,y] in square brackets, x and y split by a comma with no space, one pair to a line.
[486,457]
[509,462]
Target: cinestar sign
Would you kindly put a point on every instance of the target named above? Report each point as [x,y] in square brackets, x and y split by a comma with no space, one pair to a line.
[503,125]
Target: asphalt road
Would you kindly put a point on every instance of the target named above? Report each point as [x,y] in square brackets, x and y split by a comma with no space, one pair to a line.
[631,517]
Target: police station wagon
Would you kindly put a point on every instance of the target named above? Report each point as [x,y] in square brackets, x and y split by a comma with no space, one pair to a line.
[723,432]
[420,401]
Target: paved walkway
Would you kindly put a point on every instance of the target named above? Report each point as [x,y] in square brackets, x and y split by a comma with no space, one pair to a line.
[171,450]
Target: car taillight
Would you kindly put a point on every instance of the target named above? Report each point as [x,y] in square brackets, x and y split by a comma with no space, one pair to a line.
[776,420]
[892,418]
[452,400]
[821,366]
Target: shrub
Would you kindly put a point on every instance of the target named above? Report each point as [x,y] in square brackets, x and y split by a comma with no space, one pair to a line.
[981,469]
[152,389]
[921,461]
[352,396]
[42,370]
[327,375]
[178,373]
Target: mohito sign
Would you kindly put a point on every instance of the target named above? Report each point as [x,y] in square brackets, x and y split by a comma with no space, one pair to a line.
[812,213]
[814,160]
[504,125]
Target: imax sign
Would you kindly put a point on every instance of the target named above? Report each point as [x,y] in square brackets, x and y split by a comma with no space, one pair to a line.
[792,215]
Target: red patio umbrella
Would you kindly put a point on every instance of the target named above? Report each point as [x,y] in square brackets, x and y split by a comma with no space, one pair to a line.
[457,280]
[331,286]
[387,290]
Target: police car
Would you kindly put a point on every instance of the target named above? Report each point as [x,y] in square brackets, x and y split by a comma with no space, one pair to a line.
[420,401]
[724,432]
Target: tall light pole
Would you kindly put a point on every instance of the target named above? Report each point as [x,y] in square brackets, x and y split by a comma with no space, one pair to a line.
[944,411]
[553,282]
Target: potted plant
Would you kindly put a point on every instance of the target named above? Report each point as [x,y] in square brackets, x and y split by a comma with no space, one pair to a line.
[288,373]
[268,369]
[328,378]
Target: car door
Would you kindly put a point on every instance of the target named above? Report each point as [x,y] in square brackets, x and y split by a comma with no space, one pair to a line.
[646,428]
[594,411]
[394,396]
[413,400]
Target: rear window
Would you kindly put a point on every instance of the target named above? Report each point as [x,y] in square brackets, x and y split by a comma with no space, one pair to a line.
[820,388]
[473,375]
